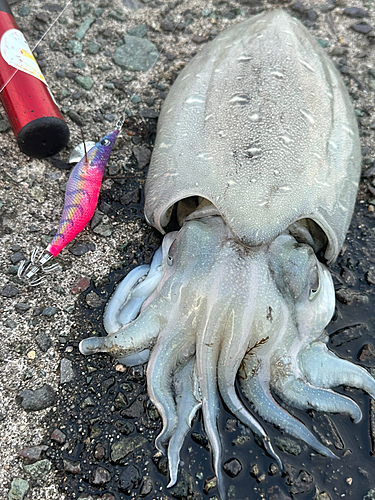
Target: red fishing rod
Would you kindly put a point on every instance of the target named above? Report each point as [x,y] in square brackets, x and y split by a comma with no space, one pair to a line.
[35,119]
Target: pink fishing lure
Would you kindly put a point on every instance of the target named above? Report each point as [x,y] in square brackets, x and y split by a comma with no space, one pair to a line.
[82,193]
[81,198]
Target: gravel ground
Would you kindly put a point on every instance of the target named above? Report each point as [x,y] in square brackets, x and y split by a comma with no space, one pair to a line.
[42,326]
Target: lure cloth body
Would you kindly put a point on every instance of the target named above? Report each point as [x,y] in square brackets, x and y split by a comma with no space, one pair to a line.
[82,193]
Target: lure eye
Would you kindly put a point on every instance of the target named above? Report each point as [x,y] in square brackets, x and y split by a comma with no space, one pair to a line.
[105,142]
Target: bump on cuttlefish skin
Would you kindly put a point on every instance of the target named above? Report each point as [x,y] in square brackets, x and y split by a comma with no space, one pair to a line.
[222,311]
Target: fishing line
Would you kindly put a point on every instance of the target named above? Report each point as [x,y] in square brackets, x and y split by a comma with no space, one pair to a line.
[38,42]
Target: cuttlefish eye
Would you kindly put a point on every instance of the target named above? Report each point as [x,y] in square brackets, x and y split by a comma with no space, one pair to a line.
[105,142]
[171,253]
[314,284]
[296,269]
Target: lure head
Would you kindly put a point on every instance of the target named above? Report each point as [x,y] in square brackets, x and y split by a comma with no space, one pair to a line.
[99,154]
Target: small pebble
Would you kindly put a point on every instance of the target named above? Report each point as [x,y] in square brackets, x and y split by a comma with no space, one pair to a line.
[355,12]
[38,469]
[85,82]
[99,452]
[120,401]
[87,403]
[138,54]
[9,291]
[74,47]
[82,30]
[100,476]
[146,487]
[18,489]
[199,39]
[76,118]
[339,51]
[24,11]
[58,436]
[31,354]
[370,277]
[125,426]
[49,311]
[288,445]
[79,249]
[33,452]
[107,384]
[347,334]
[168,26]
[209,484]
[37,193]
[43,341]
[38,399]
[120,368]
[9,323]
[273,469]
[66,371]
[104,230]
[93,300]
[143,156]
[130,197]
[122,447]
[42,17]
[4,125]
[129,479]
[139,31]
[97,217]
[345,296]
[99,11]
[17,257]
[82,284]
[135,99]
[94,48]
[22,307]
[254,470]
[323,43]
[361,28]
[367,353]
[72,467]
[81,65]
[233,467]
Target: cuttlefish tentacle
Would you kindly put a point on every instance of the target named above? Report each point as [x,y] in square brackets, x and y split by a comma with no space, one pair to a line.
[135,289]
[188,402]
[120,310]
[323,368]
[166,358]
[207,355]
[133,337]
[234,348]
[256,390]
[302,395]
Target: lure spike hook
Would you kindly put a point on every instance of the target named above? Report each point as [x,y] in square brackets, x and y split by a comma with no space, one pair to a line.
[36,265]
